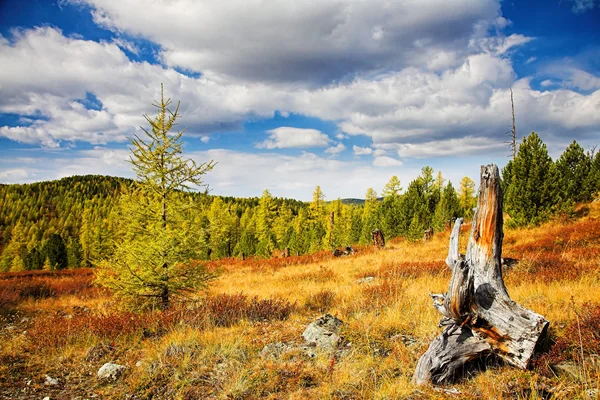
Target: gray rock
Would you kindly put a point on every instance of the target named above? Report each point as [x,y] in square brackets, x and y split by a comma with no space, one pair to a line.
[50,381]
[111,371]
[324,332]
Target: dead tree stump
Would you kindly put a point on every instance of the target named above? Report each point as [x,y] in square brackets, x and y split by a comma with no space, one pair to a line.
[377,239]
[286,252]
[479,316]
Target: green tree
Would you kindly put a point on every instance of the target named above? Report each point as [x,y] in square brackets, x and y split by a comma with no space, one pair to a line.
[391,208]
[151,261]
[265,216]
[532,195]
[447,209]
[371,216]
[573,168]
[56,252]
[466,197]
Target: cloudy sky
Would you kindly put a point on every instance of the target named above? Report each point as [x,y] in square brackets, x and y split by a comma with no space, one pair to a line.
[287,95]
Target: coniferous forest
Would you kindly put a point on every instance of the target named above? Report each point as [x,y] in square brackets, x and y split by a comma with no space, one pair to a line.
[72,222]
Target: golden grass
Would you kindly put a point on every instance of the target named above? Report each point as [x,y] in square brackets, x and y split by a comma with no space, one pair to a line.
[388,323]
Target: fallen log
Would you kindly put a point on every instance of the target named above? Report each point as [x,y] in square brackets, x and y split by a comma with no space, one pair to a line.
[479,316]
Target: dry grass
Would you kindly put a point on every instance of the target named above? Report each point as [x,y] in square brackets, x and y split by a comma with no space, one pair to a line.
[58,324]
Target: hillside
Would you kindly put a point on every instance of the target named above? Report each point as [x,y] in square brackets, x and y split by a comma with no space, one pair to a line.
[58,324]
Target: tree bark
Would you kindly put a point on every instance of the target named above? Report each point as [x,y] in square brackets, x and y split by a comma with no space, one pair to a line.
[479,315]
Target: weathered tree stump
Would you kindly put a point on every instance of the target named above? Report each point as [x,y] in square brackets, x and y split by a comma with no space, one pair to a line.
[377,239]
[285,253]
[479,316]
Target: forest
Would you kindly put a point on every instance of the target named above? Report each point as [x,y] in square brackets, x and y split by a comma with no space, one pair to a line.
[72,222]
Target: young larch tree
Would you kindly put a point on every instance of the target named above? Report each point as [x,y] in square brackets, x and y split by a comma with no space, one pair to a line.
[153,258]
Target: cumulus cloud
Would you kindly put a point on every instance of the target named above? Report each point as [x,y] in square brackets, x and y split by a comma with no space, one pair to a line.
[287,137]
[301,41]
[583,80]
[361,151]
[384,161]
[335,149]
[452,147]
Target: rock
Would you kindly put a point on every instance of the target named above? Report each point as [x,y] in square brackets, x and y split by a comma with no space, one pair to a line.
[139,364]
[592,393]
[50,381]
[111,371]
[323,332]
[367,279]
[46,398]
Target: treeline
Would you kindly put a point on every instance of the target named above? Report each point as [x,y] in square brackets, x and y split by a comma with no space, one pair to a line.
[72,222]
[536,187]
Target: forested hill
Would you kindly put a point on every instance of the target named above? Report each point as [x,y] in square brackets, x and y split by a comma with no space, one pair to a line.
[74,215]
[72,222]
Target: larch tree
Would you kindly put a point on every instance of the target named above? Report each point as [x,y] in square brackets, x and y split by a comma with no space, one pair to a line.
[466,197]
[153,258]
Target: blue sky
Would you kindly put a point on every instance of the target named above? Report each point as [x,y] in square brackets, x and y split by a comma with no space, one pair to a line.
[290,95]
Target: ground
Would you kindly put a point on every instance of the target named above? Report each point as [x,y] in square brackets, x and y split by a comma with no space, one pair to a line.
[62,326]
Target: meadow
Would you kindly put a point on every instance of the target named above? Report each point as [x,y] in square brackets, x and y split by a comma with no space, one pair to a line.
[60,324]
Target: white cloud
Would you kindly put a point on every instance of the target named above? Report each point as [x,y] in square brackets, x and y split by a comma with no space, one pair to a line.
[546,83]
[384,161]
[302,41]
[336,149]
[287,137]
[453,147]
[45,75]
[530,60]
[583,80]
[361,151]
[127,45]
[205,139]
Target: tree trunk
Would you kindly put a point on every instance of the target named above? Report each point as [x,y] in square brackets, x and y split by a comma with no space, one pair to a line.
[479,316]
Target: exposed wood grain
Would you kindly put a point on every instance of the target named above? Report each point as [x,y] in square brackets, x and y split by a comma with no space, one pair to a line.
[479,315]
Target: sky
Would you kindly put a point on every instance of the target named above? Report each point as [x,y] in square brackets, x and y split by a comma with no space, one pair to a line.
[287,95]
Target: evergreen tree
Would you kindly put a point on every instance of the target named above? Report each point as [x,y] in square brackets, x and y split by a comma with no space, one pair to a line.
[573,169]
[391,208]
[466,197]
[151,262]
[532,195]
[265,216]
[447,209]
[593,180]
[56,252]
[371,216]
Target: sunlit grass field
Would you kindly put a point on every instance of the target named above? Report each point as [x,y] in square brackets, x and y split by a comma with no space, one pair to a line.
[60,324]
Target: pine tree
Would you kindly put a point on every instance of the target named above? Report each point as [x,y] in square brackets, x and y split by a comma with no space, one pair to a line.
[532,195]
[573,168]
[447,209]
[593,180]
[151,262]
